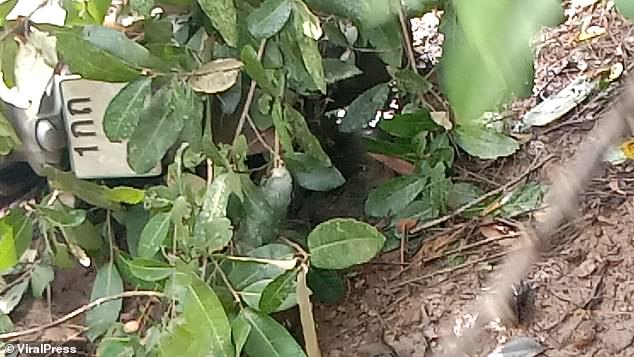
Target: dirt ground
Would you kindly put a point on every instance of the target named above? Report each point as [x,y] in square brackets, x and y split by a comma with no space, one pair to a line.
[579,296]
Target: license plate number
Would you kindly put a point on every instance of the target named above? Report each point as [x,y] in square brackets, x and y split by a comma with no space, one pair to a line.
[92,155]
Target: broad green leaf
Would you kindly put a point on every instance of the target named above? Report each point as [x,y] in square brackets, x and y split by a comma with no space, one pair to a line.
[204,314]
[363,109]
[84,13]
[278,190]
[8,254]
[483,142]
[268,337]
[124,110]
[394,195]
[8,52]
[97,9]
[259,225]
[277,291]
[158,129]
[11,297]
[281,126]
[124,194]
[412,82]
[269,18]
[119,45]
[150,269]
[625,7]
[22,230]
[216,76]
[87,191]
[114,347]
[420,210]
[85,235]
[387,39]
[244,274]
[343,242]
[408,125]
[462,193]
[523,199]
[41,276]
[143,7]
[123,264]
[9,139]
[6,325]
[254,69]
[135,220]
[240,330]
[368,13]
[153,235]
[107,283]
[336,70]
[302,135]
[436,191]
[327,286]
[91,62]
[252,295]
[222,14]
[299,78]
[487,63]
[63,217]
[191,108]
[5,9]
[313,174]
[303,19]
[212,230]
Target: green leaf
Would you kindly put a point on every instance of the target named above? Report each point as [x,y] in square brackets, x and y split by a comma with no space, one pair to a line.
[281,126]
[216,76]
[363,109]
[124,194]
[107,283]
[343,242]
[254,69]
[8,52]
[222,14]
[252,295]
[114,347]
[488,63]
[462,193]
[97,9]
[159,127]
[259,224]
[41,277]
[337,70]
[143,7]
[5,9]
[240,330]
[6,325]
[625,7]
[153,235]
[11,298]
[8,254]
[63,217]
[9,139]
[124,111]
[408,125]
[277,291]
[150,269]
[483,142]
[91,62]
[123,264]
[327,286]
[85,235]
[269,18]
[212,230]
[135,220]
[412,82]
[303,19]
[22,230]
[278,191]
[313,174]
[89,192]
[244,274]
[387,40]
[119,45]
[523,199]
[394,195]
[268,337]
[301,134]
[204,313]
[368,13]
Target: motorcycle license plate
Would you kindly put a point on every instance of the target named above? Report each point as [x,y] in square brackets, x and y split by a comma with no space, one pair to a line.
[92,155]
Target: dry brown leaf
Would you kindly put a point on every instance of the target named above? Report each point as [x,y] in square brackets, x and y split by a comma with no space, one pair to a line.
[400,166]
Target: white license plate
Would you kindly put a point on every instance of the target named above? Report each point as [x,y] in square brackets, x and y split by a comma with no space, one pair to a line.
[92,155]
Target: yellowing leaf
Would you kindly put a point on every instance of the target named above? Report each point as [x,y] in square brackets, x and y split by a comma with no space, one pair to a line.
[216,76]
[628,148]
